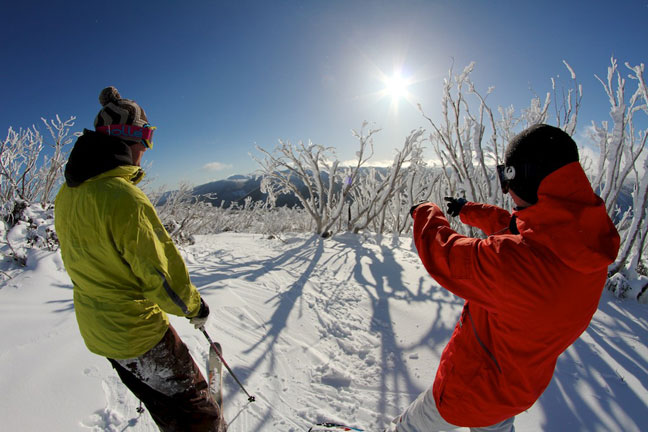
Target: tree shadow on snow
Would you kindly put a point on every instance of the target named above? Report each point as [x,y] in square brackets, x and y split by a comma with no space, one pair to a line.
[311,251]
[374,270]
[388,284]
[66,305]
[588,392]
[305,257]
[244,268]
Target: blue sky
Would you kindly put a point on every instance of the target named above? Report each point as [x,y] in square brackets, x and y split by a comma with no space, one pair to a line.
[220,77]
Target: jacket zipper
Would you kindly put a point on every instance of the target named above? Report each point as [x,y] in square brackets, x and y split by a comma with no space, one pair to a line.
[490,354]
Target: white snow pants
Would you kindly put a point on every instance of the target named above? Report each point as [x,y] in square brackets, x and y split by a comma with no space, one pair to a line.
[423,416]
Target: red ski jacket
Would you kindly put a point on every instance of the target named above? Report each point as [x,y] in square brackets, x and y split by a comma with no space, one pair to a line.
[528,295]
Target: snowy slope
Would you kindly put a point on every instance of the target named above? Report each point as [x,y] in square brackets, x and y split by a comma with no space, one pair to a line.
[349,329]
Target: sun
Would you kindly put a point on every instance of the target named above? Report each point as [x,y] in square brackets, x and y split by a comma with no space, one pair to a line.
[396,87]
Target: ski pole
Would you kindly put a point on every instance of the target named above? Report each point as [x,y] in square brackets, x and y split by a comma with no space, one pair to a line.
[220,356]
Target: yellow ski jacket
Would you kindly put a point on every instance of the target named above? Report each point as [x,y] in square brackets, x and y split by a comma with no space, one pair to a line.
[125,268]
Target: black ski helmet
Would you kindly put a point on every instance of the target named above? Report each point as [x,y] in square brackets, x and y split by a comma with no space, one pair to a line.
[532,155]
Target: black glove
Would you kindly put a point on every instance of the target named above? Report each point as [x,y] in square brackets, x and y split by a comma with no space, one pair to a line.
[415,206]
[201,319]
[455,205]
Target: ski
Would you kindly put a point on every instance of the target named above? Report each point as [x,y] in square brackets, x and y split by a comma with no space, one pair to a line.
[328,427]
[215,368]
[223,362]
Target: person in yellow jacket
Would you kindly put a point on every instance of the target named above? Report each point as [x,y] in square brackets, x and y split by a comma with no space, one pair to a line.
[126,271]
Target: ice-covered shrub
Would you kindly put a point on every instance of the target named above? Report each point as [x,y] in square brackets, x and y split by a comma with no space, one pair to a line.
[31,167]
[185,215]
[618,285]
[33,227]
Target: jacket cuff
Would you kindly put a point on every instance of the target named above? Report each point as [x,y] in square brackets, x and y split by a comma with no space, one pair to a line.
[203,312]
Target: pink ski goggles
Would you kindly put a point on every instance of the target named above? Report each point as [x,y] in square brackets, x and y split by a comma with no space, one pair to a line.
[144,133]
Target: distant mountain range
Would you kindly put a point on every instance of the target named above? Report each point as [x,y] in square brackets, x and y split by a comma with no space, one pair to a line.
[232,189]
[238,187]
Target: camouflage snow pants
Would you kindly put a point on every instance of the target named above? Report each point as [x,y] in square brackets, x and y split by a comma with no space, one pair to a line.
[169,383]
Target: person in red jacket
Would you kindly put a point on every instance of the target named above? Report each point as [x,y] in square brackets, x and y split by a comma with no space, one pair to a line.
[530,287]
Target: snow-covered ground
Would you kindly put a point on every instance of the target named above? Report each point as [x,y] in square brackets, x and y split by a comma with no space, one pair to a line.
[349,329]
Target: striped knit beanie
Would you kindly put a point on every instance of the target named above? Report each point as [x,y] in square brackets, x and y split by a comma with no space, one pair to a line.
[119,111]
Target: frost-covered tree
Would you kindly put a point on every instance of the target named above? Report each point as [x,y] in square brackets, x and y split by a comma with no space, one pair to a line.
[19,154]
[51,169]
[469,141]
[29,176]
[470,138]
[326,184]
[421,183]
[622,163]
[380,195]
[353,197]
[466,153]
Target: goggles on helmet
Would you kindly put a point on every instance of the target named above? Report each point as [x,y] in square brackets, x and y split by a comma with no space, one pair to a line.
[144,133]
[505,174]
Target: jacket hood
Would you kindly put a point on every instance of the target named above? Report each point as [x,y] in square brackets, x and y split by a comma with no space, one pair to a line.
[571,220]
[94,154]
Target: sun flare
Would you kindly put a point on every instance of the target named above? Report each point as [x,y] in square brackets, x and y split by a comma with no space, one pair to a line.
[396,87]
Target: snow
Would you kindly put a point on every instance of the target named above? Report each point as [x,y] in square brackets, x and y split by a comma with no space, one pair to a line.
[348,329]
